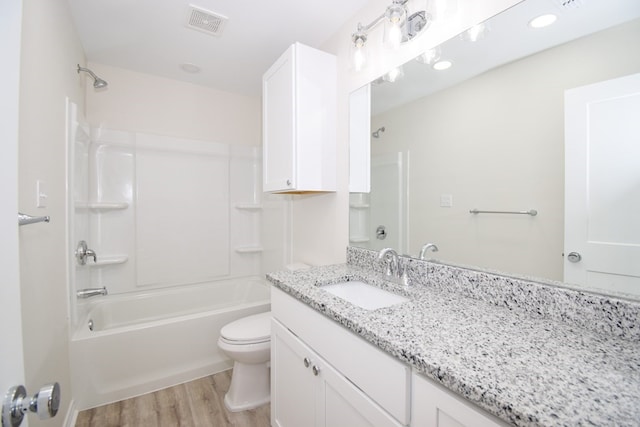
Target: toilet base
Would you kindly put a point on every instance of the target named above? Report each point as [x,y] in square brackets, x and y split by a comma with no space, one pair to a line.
[250,387]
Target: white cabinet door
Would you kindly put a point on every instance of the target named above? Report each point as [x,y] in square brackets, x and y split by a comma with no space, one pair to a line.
[433,406]
[293,389]
[278,124]
[308,391]
[602,195]
[299,122]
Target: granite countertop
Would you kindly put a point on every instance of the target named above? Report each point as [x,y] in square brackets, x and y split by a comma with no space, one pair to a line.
[526,370]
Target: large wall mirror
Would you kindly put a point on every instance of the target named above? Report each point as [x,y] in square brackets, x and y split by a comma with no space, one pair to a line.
[489,135]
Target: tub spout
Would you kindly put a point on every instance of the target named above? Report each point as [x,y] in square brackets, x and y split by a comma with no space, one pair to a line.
[91,292]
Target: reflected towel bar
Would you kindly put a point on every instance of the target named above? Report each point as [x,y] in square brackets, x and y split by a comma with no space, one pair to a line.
[24,219]
[531,212]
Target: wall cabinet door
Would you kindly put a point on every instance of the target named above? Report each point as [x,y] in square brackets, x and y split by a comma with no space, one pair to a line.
[299,122]
[307,391]
[434,406]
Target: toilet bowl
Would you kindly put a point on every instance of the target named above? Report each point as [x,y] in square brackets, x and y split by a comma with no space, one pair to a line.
[247,342]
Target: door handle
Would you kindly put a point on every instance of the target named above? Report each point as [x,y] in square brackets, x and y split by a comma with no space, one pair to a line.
[574,257]
[45,403]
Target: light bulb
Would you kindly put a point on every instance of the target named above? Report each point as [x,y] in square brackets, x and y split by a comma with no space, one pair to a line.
[442,65]
[393,75]
[359,52]
[543,21]
[393,25]
[430,56]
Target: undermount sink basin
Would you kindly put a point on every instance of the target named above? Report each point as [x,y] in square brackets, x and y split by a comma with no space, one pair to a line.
[364,295]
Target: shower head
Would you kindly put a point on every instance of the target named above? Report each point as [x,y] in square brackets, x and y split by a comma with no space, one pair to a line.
[376,134]
[98,83]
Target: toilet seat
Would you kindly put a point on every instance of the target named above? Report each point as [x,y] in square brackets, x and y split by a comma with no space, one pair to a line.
[253,329]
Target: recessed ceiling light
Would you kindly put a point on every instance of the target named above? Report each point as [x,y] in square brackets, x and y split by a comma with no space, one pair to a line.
[442,65]
[190,68]
[543,21]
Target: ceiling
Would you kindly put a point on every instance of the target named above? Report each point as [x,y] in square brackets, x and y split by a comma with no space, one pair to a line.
[151,36]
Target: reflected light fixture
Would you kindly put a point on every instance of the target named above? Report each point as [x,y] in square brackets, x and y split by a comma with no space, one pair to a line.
[475,33]
[394,74]
[430,56]
[399,27]
[543,21]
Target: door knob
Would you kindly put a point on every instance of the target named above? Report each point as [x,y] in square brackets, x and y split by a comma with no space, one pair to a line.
[574,257]
[45,403]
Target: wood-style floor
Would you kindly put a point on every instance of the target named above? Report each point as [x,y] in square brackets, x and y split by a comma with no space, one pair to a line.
[198,403]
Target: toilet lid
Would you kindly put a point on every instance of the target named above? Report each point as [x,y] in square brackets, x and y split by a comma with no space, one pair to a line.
[251,328]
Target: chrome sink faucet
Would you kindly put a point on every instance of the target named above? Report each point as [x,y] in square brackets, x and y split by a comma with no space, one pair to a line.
[91,292]
[426,248]
[395,270]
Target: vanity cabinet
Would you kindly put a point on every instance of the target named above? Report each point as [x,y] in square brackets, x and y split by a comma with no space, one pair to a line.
[299,122]
[308,391]
[324,375]
[434,406]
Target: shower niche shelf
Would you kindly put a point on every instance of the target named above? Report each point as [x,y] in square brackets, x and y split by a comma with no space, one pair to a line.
[102,206]
[249,206]
[109,260]
[359,239]
[359,206]
[249,249]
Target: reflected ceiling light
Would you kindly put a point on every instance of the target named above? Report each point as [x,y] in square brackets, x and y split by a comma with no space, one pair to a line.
[543,21]
[399,27]
[442,65]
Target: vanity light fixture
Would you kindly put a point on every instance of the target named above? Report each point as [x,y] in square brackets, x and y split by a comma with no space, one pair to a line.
[543,21]
[442,65]
[399,27]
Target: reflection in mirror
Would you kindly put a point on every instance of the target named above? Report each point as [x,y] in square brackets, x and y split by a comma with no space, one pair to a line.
[489,134]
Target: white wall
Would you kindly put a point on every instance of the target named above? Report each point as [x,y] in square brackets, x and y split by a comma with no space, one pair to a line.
[140,102]
[50,52]
[321,222]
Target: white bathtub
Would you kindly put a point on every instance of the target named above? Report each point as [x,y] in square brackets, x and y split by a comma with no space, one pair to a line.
[155,339]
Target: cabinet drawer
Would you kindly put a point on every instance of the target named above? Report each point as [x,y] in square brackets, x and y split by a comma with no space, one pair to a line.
[383,378]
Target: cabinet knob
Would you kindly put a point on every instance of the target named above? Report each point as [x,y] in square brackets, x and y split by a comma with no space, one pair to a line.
[288,183]
[315,370]
[307,362]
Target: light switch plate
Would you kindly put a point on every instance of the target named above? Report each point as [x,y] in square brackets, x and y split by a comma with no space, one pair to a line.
[41,194]
[446,200]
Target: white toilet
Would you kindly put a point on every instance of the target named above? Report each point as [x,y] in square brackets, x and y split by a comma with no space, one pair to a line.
[248,342]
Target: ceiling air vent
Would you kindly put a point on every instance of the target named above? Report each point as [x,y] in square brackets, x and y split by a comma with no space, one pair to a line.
[205,20]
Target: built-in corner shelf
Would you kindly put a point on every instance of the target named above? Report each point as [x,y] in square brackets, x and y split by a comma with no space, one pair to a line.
[109,260]
[249,249]
[359,206]
[359,239]
[249,206]
[102,206]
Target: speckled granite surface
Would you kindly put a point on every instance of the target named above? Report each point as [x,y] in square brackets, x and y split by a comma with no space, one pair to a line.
[528,366]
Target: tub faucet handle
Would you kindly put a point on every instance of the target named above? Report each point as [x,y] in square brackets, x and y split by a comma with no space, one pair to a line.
[83,251]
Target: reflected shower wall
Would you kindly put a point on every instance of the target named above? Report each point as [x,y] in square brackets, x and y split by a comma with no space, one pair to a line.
[379,219]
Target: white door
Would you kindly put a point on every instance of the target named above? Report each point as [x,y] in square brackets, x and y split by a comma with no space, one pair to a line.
[11,359]
[602,185]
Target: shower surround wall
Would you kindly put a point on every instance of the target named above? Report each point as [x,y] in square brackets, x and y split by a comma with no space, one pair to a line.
[163,211]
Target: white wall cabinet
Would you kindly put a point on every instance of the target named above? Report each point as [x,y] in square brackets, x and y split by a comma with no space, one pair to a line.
[434,406]
[299,122]
[308,391]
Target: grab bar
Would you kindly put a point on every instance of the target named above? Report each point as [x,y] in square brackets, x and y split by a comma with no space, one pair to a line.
[24,219]
[531,212]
